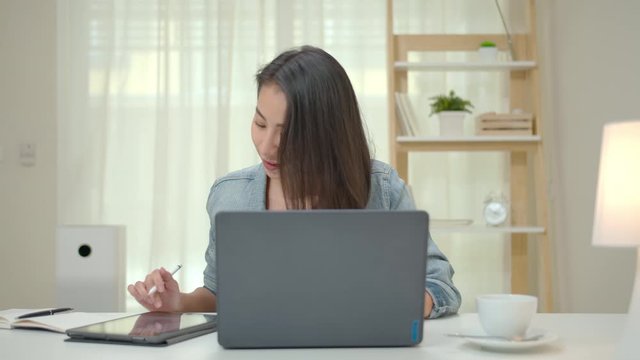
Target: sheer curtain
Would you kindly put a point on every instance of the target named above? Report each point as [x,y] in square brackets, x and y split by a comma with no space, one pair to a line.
[156,99]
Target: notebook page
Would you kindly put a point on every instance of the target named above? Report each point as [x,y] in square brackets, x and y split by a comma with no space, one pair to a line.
[62,322]
[9,316]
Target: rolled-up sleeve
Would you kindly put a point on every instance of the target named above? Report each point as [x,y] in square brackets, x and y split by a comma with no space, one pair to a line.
[210,278]
[439,278]
[439,283]
[242,190]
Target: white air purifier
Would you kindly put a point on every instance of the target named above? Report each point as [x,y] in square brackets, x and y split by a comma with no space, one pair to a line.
[91,268]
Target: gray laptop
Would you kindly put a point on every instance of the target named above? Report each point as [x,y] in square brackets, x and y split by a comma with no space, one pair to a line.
[328,278]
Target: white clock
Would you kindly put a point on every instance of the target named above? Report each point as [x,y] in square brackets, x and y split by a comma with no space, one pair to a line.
[496,210]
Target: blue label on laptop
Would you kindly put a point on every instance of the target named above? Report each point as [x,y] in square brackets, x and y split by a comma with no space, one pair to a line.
[415,330]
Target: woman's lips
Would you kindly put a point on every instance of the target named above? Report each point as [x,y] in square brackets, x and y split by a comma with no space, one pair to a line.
[270,165]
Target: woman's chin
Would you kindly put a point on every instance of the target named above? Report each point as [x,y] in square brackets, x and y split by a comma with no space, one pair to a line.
[272,173]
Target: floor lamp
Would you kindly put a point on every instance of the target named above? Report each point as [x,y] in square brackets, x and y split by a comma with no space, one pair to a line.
[617,211]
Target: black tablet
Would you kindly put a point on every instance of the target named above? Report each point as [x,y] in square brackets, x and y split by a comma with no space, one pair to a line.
[152,328]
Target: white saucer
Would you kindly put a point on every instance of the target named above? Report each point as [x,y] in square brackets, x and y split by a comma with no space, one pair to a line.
[497,344]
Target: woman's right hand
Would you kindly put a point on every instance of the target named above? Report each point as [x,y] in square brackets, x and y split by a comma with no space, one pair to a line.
[167,295]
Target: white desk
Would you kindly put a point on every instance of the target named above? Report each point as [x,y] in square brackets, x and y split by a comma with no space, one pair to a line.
[582,336]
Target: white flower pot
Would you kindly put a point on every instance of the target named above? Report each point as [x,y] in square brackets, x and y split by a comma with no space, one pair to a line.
[488,54]
[451,123]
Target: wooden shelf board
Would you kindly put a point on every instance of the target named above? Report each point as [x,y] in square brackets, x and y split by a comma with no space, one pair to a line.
[465,66]
[478,139]
[483,229]
[467,143]
[450,42]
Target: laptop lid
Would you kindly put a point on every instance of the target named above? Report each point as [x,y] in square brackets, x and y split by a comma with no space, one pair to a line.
[327,278]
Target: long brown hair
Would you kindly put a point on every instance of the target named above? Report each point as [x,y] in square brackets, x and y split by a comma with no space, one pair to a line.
[323,153]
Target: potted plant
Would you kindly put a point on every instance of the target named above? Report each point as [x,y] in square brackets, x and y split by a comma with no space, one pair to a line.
[451,111]
[488,51]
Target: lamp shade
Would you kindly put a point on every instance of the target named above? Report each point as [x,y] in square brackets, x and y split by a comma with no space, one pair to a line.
[617,211]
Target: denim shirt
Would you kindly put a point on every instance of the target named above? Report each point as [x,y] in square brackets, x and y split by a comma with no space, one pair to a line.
[245,190]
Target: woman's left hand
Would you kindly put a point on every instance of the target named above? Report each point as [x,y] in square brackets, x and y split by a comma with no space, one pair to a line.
[428,304]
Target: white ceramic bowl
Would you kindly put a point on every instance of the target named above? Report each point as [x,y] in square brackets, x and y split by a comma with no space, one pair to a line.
[506,315]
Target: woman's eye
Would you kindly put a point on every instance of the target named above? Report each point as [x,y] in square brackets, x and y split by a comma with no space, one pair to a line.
[260,125]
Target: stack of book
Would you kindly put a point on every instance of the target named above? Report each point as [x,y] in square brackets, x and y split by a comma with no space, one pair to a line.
[406,115]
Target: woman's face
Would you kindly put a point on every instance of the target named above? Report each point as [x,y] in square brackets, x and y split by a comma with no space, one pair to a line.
[267,126]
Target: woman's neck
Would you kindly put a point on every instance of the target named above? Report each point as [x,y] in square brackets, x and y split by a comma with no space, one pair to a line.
[275,196]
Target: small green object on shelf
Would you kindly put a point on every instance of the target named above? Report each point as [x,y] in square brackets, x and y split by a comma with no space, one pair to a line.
[451,102]
[487,44]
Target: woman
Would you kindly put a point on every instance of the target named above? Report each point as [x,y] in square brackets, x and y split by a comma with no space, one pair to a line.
[308,132]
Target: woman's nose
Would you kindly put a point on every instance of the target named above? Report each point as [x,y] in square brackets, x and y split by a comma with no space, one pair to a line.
[273,139]
[271,142]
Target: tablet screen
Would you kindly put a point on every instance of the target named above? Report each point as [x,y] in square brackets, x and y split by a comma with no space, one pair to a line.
[147,327]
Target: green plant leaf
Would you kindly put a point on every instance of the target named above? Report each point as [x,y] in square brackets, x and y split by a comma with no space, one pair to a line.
[450,102]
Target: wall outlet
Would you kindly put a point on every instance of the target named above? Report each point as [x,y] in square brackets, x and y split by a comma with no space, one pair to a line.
[27,154]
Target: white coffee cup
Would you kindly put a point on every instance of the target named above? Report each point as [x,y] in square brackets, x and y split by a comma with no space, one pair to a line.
[507,315]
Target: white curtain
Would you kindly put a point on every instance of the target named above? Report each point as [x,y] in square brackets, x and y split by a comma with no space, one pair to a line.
[156,99]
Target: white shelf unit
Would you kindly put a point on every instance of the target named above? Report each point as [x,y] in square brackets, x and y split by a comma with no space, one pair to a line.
[483,229]
[467,143]
[465,66]
[478,139]
[526,161]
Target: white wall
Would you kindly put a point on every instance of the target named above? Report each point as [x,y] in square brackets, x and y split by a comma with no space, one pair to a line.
[27,114]
[583,89]
[593,77]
